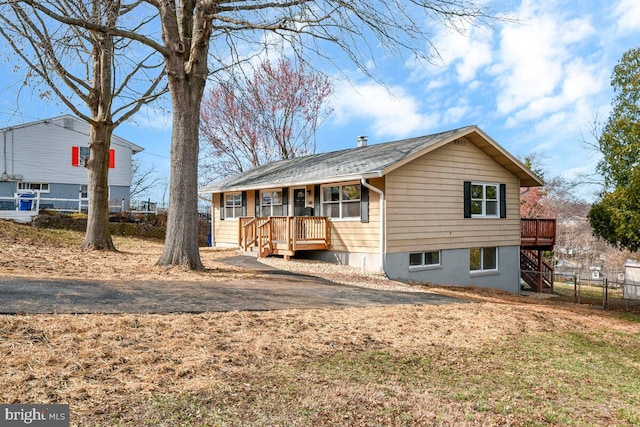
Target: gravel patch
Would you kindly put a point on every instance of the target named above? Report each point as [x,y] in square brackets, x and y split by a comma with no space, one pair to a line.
[343,274]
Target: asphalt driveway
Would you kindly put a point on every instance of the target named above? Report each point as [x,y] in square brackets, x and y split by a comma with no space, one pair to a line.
[273,290]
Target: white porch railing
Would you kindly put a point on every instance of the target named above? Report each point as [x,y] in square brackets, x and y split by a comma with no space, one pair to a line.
[80,204]
[38,201]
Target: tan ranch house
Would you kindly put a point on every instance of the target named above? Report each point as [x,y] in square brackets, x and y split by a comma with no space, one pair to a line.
[440,208]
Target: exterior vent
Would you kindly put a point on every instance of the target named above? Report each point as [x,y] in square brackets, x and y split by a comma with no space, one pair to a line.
[362,141]
[68,123]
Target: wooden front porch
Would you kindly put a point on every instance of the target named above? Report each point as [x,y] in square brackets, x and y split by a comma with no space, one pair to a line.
[283,235]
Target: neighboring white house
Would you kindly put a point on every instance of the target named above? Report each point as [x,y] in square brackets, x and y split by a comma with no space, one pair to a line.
[631,289]
[46,156]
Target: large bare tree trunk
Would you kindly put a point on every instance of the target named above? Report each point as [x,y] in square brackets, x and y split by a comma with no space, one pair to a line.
[181,241]
[186,34]
[98,235]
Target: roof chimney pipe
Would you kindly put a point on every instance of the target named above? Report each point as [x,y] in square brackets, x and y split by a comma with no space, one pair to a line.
[362,141]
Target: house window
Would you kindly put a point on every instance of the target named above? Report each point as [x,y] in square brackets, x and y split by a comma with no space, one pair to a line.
[270,203]
[233,205]
[483,259]
[84,192]
[424,259]
[341,201]
[33,186]
[484,200]
[80,156]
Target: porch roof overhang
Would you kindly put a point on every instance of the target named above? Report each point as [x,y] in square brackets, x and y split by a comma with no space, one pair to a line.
[276,184]
[366,162]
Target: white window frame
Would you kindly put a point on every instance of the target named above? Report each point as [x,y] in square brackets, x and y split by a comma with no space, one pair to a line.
[483,200]
[271,204]
[423,265]
[236,210]
[482,269]
[340,202]
[83,155]
[28,186]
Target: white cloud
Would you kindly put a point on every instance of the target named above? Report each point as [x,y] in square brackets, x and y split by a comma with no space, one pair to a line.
[455,114]
[391,111]
[468,50]
[583,79]
[627,13]
[536,71]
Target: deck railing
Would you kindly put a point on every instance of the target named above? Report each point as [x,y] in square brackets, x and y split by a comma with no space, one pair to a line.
[537,232]
[311,229]
[286,233]
[247,232]
[264,237]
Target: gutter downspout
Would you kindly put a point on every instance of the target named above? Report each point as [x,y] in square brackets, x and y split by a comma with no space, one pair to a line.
[382,218]
[213,218]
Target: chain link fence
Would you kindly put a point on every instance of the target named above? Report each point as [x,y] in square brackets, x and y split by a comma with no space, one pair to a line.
[600,292]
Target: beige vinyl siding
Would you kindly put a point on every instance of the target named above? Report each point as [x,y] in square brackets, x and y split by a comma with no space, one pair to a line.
[355,236]
[226,231]
[425,202]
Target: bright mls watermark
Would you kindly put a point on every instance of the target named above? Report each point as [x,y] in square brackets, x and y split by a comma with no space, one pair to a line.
[34,415]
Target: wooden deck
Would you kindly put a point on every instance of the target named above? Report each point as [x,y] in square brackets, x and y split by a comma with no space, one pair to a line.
[537,233]
[283,235]
[537,236]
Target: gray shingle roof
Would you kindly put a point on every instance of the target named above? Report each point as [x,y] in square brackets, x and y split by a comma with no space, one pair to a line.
[354,163]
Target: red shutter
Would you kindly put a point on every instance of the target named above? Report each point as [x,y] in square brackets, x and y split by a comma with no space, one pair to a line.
[75,156]
[112,159]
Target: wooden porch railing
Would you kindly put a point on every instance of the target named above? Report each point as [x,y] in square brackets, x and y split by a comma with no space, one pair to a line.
[247,236]
[537,233]
[283,235]
[264,237]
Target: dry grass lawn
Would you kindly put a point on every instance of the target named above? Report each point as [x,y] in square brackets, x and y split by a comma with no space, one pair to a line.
[500,360]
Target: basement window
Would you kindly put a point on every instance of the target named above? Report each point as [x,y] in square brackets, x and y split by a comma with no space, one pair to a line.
[421,260]
[483,259]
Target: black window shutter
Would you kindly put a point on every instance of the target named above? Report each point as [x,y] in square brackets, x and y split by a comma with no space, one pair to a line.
[244,203]
[316,200]
[364,204]
[257,198]
[221,206]
[503,200]
[285,201]
[467,199]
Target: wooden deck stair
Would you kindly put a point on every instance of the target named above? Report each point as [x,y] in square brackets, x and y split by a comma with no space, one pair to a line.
[536,236]
[537,273]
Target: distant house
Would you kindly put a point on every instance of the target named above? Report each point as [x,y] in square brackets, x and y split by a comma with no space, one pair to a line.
[440,208]
[46,157]
[631,287]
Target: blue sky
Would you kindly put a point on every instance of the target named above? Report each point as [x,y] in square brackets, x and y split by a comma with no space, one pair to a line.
[534,85]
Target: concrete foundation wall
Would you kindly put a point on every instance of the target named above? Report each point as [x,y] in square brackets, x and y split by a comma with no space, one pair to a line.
[368,261]
[454,270]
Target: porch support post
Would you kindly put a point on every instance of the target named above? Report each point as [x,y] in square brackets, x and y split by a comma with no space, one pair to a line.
[539,270]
